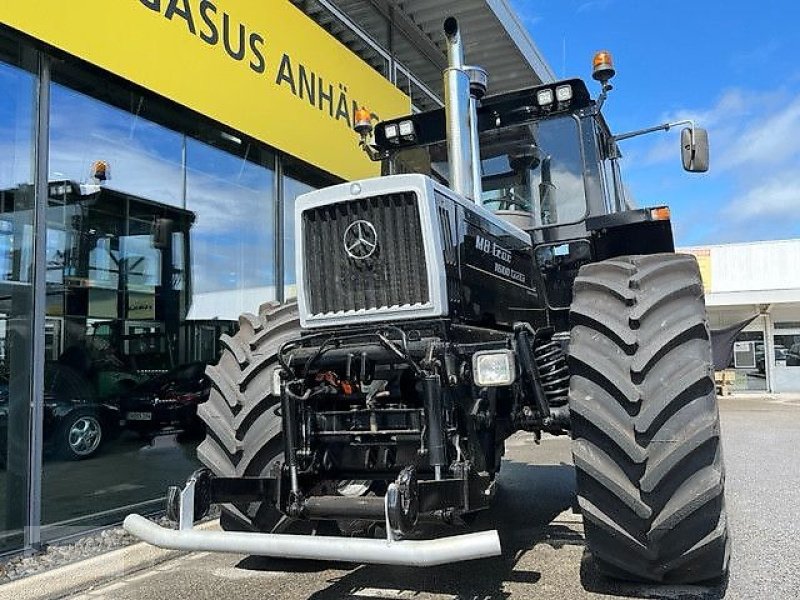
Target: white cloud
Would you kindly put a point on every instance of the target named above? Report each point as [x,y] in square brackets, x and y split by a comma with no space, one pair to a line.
[776,198]
[745,128]
[772,140]
[590,5]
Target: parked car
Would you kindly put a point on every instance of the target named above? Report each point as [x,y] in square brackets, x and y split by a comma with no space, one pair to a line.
[167,403]
[780,356]
[75,423]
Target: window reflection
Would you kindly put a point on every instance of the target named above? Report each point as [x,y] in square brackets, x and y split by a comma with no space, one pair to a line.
[17,97]
[233,240]
[145,270]
[117,296]
[145,158]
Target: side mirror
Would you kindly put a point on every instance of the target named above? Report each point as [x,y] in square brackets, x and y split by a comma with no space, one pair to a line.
[694,152]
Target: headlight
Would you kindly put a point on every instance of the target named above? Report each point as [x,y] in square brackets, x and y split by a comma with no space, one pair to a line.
[494,368]
[544,97]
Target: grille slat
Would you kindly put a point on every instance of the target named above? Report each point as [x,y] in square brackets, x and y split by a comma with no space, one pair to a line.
[395,275]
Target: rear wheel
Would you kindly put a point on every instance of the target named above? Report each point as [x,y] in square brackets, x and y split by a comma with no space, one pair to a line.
[243,429]
[645,423]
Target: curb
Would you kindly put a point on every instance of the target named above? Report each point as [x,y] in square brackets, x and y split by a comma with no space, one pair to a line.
[92,572]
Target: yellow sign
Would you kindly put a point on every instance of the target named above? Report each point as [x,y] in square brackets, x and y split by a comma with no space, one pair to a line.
[259,66]
[703,256]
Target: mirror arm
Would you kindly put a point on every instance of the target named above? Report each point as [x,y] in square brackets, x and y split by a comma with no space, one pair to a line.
[664,127]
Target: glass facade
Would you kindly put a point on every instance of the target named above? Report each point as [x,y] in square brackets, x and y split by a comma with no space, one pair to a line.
[786,361]
[18,85]
[161,229]
[749,362]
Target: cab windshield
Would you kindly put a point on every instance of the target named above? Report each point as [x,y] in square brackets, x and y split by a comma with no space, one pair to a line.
[534,167]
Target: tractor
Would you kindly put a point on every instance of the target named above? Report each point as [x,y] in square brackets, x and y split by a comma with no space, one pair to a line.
[493,280]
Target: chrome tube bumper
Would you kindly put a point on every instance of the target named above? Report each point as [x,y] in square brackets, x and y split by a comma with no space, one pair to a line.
[389,551]
[416,553]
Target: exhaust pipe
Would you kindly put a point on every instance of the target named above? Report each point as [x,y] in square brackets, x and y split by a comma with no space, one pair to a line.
[464,87]
[457,114]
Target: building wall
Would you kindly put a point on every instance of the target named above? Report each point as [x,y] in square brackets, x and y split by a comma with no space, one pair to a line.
[757,279]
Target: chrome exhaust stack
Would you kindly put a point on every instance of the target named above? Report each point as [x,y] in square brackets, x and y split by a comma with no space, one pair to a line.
[457,114]
[464,86]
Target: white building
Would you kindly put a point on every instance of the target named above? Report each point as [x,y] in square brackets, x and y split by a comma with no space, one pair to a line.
[760,279]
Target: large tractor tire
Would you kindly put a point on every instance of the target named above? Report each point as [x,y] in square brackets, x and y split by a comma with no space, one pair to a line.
[243,428]
[645,423]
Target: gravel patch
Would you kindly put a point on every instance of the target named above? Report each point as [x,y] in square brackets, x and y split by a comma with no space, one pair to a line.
[59,554]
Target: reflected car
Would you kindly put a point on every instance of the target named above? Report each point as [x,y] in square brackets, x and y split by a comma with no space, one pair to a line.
[780,356]
[76,424]
[100,366]
[167,403]
[793,356]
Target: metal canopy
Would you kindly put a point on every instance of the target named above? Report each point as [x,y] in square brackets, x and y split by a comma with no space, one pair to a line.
[493,34]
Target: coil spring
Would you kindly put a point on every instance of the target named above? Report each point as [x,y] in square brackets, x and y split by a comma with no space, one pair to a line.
[553,371]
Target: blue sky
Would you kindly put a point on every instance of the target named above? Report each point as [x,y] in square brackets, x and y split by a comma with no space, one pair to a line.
[732,66]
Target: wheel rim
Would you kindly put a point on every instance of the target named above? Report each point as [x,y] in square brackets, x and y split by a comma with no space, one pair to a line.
[84,435]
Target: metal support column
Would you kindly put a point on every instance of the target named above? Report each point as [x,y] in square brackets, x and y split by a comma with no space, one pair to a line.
[33,538]
[769,349]
[277,193]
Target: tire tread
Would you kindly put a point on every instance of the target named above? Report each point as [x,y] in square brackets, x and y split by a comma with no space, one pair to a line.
[243,430]
[646,434]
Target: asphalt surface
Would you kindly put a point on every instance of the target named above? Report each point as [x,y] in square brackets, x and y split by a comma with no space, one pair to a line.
[544,552]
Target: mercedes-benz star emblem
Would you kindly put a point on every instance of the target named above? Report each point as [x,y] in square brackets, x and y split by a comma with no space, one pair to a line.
[360,240]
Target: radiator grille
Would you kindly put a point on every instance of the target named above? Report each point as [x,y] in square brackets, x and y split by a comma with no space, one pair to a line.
[395,275]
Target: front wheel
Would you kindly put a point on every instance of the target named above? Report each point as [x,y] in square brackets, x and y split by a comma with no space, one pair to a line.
[243,427]
[645,423]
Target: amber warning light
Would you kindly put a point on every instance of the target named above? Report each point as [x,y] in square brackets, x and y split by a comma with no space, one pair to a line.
[100,171]
[603,66]
[363,121]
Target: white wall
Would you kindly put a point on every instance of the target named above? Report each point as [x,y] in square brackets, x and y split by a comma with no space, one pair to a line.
[755,266]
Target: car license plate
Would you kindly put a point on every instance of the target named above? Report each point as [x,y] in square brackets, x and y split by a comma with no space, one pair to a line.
[139,416]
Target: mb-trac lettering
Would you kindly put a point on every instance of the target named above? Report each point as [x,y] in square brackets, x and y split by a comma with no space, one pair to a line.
[494,280]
